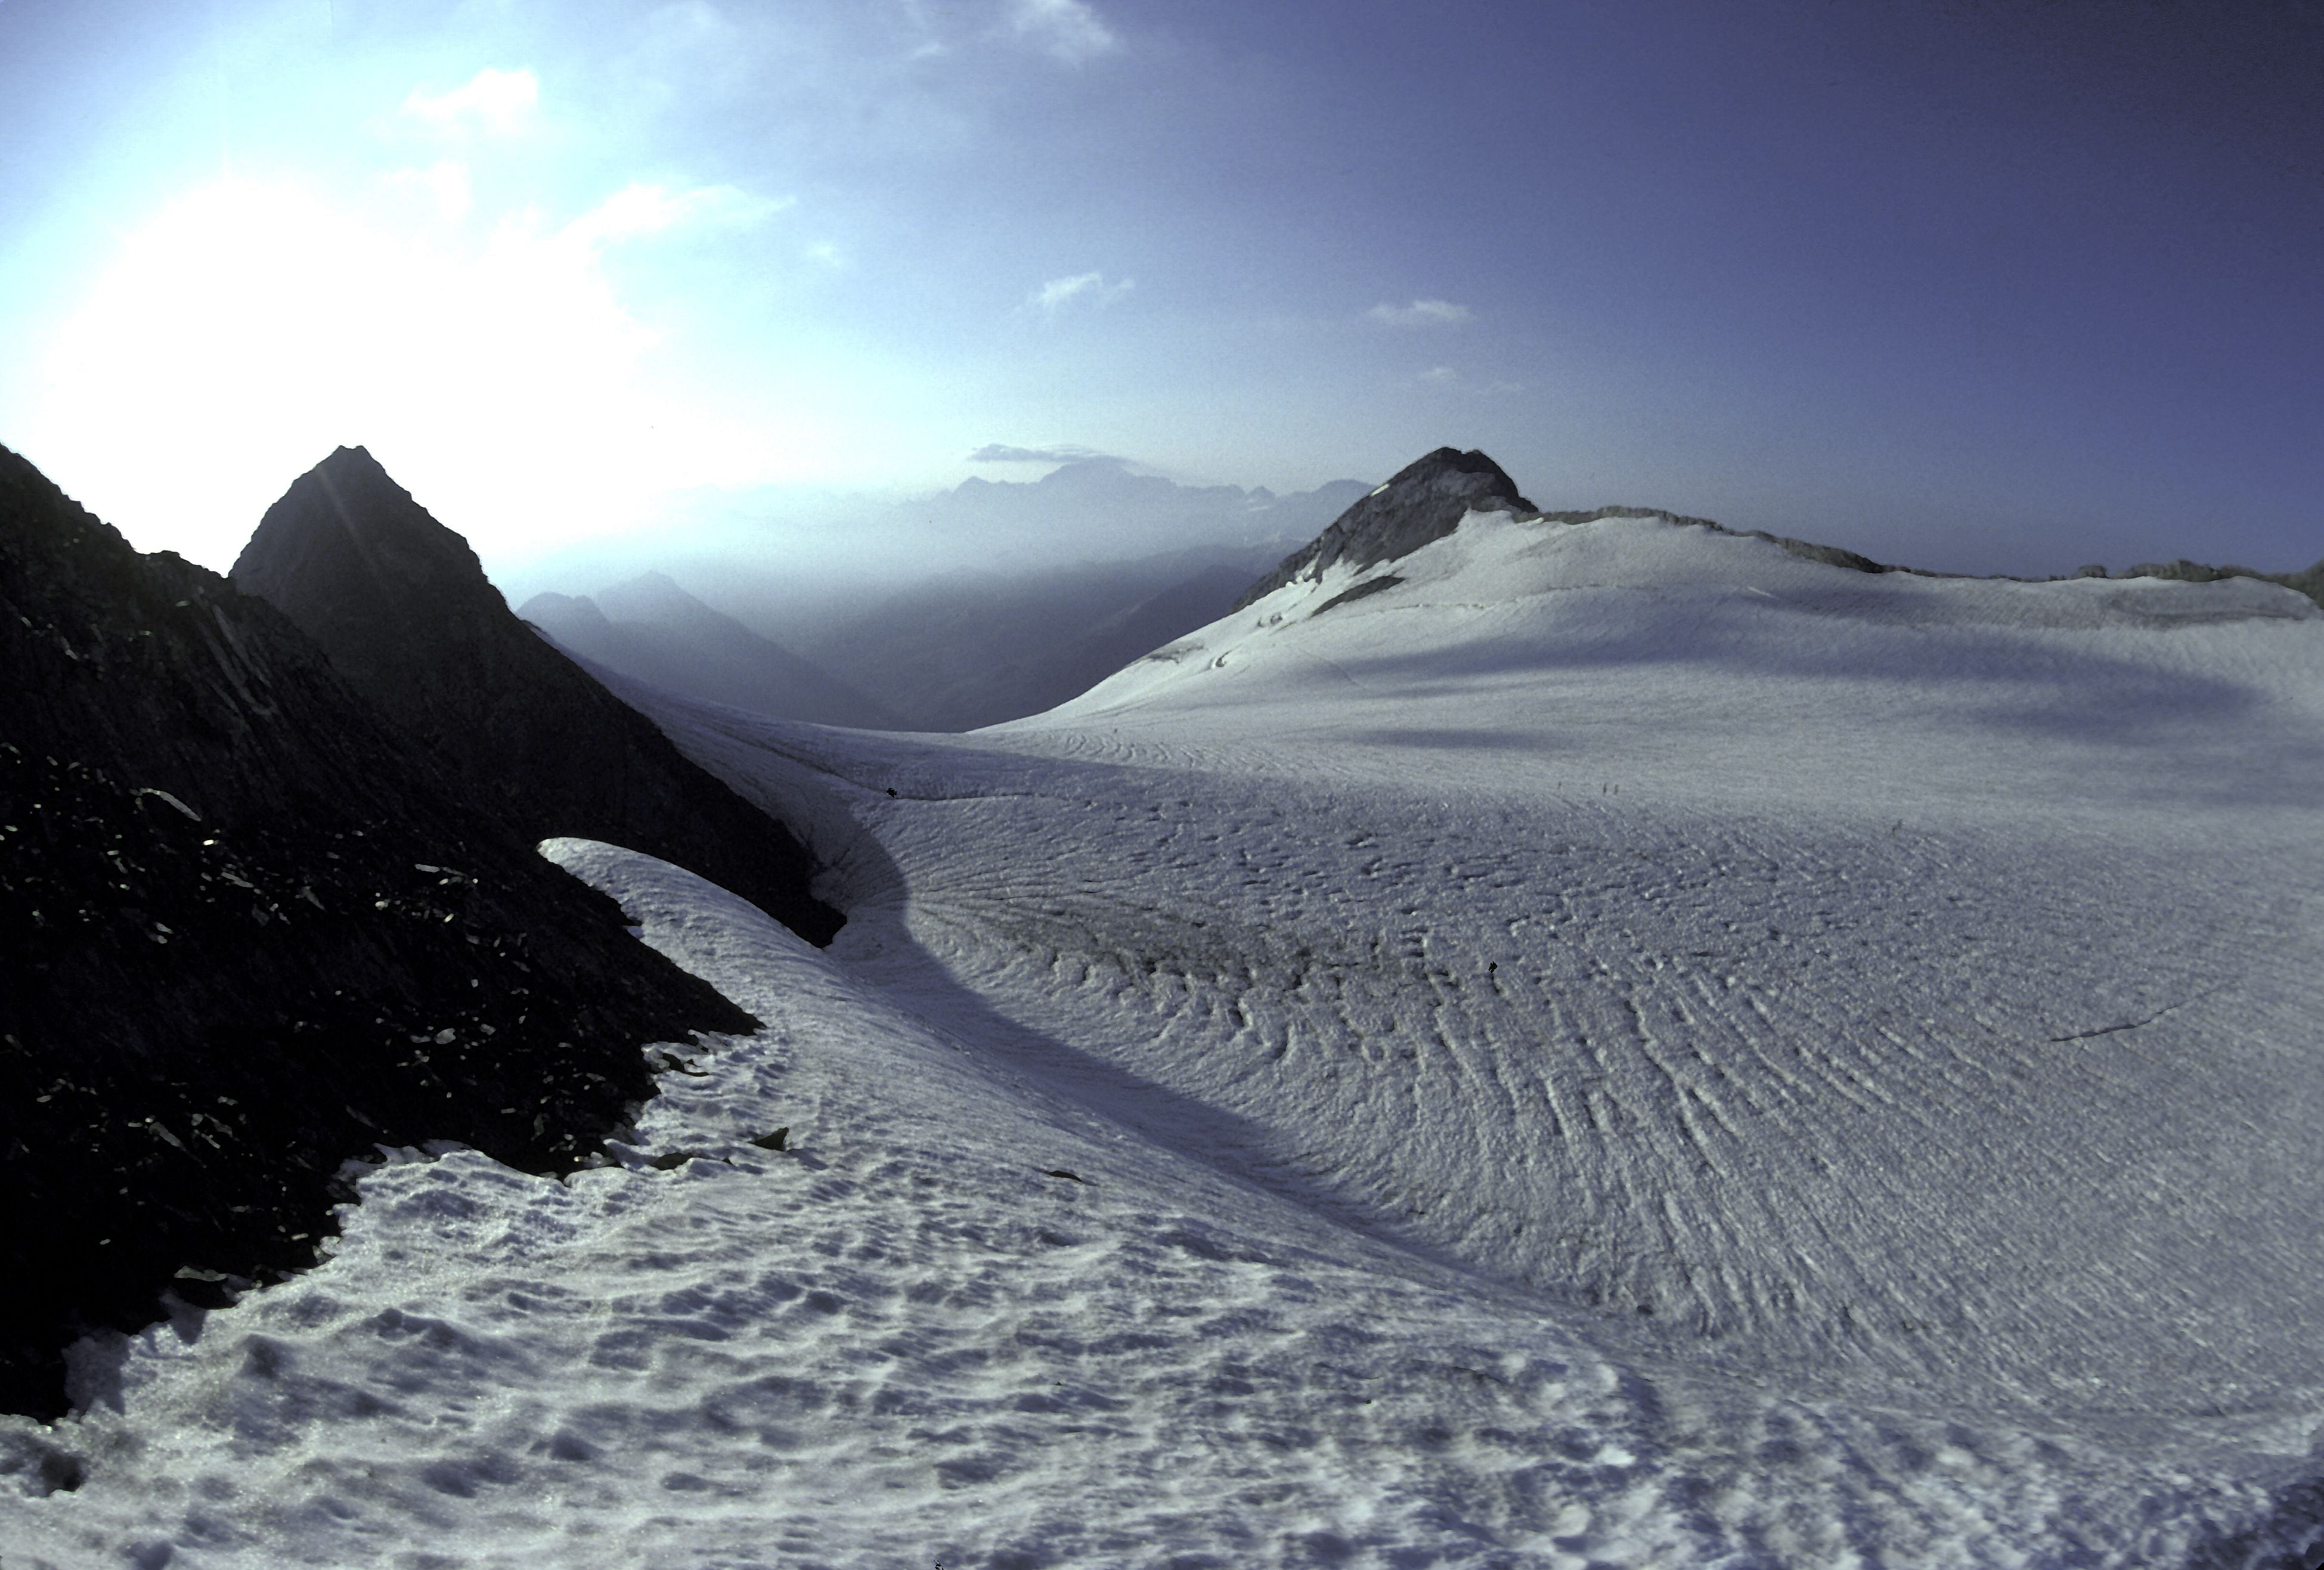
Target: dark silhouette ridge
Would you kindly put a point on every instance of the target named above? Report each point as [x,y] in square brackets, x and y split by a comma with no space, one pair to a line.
[403,608]
[248,930]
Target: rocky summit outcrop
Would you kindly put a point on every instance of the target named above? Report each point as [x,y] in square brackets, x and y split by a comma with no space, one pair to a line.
[404,611]
[249,930]
[1424,501]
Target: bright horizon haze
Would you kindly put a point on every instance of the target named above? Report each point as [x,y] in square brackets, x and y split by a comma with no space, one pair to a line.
[1977,286]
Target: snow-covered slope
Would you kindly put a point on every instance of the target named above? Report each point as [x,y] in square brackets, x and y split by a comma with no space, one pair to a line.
[1623,1047]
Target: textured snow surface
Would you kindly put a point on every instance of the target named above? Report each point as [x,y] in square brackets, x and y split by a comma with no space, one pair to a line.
[1625,1047]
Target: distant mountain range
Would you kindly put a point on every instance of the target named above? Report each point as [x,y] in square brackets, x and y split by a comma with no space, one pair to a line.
[975,649]
[952,653]
[650,629]
[1100,507]
[986,602]
[780,559]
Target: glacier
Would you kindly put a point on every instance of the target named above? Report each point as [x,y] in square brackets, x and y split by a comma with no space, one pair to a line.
[1622,1045]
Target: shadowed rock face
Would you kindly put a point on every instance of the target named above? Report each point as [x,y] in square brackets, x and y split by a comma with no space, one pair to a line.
[403,608]
[1425,501]
[248,930]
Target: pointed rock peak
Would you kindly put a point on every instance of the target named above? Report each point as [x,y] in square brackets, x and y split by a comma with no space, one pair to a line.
[557,611]
[347,460]
[347,528]
[650,597]
[362,485]
[1424,501]
[402,608]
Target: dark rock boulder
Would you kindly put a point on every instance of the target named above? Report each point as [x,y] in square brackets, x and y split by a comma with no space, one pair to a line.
[1363,590]
[1425,501]
[248,930]
[404,611]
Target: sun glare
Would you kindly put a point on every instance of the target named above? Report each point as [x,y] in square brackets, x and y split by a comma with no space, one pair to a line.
[252,326]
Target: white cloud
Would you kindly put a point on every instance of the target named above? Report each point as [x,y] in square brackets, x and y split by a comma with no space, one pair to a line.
[1003,452]
[1420,313]
[1447,377]
[1089,288]
[641,210]
[1068,30]
[499,102]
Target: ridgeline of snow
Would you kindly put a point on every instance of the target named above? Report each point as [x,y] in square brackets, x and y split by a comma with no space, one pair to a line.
[1622,1046]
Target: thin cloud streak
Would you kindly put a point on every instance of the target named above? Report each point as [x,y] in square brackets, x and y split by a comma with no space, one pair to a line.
[1002,452]
[1421,313]
[642,209]
[1089,288]
[1445,376]
[498,102]
[1066,29]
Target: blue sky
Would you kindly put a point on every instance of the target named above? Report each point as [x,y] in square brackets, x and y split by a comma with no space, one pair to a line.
[1971,285]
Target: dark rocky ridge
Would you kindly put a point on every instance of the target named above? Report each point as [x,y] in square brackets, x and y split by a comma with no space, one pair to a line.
[2310,582]
[404,608]
[1424,501]
[248,929]
[1807,550]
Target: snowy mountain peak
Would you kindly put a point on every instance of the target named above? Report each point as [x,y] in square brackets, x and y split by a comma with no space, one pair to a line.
[1424,501]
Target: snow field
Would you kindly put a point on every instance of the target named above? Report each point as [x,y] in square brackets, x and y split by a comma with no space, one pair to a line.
[897,1342]
[1893,989]
[1626,1048]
